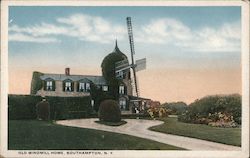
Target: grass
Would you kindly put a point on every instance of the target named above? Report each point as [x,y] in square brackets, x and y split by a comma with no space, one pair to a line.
[231,136]
[112,123]
[41,135]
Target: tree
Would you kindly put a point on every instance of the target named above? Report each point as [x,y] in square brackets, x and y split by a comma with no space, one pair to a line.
[176,107]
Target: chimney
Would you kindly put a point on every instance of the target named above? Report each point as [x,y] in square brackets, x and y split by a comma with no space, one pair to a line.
[67,71]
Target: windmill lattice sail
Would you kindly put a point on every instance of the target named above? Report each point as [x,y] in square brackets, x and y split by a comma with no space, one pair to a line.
[132,49]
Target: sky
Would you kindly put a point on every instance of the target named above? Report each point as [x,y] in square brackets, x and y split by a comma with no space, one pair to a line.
[191,52]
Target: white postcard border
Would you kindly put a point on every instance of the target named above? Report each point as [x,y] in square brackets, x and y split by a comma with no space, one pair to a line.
[128,153]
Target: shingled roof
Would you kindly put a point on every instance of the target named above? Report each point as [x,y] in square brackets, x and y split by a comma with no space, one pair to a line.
[98,80]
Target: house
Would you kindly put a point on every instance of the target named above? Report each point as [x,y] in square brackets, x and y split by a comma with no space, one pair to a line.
[67,85]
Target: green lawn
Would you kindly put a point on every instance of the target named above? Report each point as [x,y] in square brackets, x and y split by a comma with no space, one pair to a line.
[39,135]
[231,136]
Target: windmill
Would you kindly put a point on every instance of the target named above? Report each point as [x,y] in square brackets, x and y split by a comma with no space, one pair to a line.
[123,67]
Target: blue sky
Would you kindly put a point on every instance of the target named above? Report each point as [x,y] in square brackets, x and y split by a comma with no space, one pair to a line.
[192,18]
[193,38]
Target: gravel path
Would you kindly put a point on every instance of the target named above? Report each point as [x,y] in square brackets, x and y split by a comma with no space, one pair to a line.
[139,128]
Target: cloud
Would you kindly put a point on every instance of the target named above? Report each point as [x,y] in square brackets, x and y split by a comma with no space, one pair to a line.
[93,28]
[173,32]
[42,29]
[164,31]
[27,38]
[83,27]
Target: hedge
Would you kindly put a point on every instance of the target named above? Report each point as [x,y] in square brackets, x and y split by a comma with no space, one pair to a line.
[24,107]
[69,107]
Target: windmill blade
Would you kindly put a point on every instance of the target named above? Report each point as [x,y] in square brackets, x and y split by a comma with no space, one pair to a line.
[121,64]
[132,49]
[130,35]
[140,64]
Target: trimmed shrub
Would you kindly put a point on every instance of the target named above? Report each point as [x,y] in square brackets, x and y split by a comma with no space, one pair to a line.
[69,107]
[109,111]
[24,107]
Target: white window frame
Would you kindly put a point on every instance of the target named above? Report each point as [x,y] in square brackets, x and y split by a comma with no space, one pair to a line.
[49,85]
[122,103]
[92,102]
[105,88]
[87,86]
[121,89]
[68,87]
[81,86]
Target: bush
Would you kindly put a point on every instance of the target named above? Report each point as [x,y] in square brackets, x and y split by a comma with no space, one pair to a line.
[209,109]
[24,107]
[176,108]
[109,111]
[69,107]
[36,82]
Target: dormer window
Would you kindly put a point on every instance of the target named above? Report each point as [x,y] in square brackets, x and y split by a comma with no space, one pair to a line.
[105,88]
[87,86]
[49,85]
[68,86]
[81,87]
[121,89]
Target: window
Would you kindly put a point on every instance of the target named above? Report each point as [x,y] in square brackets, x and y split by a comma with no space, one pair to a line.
[121,89]
[49,85]
[87,86]
[81,87]
[105,88]
[68,86]
[119,75]
[92,102]
[122,103]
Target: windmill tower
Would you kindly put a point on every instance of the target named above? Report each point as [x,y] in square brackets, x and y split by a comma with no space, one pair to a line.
[123,67]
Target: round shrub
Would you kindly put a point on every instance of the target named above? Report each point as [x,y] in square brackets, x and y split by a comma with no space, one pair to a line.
[109,111]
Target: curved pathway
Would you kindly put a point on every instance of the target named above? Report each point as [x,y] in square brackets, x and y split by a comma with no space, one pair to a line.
[139,128]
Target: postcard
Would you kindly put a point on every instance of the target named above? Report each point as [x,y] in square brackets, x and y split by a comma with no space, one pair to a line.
[124,79]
